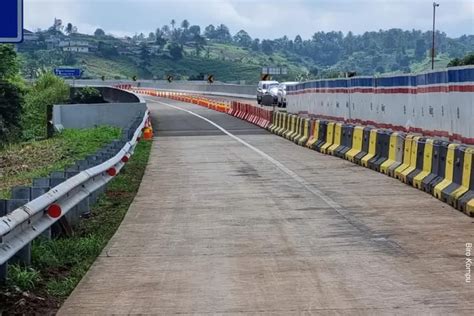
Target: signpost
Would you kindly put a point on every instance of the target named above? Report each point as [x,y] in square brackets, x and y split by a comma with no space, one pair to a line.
[68,72]
[73,73]
[11,21]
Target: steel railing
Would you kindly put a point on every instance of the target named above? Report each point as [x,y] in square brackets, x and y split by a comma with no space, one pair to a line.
[24,224]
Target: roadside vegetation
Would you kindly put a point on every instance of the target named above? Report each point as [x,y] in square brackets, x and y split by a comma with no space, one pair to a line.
[21,162]
[189,52]
[59,264]
[28,149]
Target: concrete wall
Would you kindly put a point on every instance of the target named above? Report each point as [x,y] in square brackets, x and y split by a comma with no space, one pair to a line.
[218,89]
[436,103]
[126,107]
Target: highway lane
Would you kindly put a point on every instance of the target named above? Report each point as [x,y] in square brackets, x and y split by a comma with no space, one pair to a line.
[240,221]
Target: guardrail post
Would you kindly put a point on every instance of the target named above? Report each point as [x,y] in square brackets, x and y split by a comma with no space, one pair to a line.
[24,255]
[41,186]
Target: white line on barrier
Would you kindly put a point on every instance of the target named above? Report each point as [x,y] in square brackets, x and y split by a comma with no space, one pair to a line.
[333,204]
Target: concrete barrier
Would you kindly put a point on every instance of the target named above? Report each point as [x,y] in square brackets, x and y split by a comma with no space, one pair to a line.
[436,103]
[123,106]
[196,87]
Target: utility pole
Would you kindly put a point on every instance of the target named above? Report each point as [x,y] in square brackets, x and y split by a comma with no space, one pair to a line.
[433,42]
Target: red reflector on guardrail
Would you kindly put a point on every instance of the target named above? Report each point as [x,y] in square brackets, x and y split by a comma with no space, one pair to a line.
[125,159]
[54,210]
[111,172]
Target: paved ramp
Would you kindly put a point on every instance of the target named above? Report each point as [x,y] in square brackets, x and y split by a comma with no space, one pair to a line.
[260,225]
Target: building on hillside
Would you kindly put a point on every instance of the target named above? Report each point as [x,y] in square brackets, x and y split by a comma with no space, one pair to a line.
[52,42]
[77,46]
[29,36]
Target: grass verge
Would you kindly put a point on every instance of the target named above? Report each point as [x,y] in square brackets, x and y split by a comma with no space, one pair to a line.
[58,265]
[20,163]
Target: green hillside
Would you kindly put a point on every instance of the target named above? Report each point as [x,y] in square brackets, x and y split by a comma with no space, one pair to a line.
[187,53]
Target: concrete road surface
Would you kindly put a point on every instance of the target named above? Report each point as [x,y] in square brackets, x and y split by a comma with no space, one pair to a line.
[240,221]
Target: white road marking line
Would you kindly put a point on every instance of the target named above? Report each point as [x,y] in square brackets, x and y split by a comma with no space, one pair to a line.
[333,204]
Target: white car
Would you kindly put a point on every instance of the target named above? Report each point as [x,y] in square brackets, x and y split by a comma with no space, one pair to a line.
[281,94]
[263,87]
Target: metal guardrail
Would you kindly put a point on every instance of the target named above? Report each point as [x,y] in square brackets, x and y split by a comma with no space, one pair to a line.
[20,227]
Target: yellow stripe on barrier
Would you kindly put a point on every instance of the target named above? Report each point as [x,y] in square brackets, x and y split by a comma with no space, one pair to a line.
[337,138]
[392,154]
[329,137]
[303,139]
[413,151]
[315,136]
[427,164]
[448,178]
[296,129]
[298,133]
[372,148]
[406,156]
[286,125]
[466,176]
[291,127]
[275,121]
[356,143]
[282,124]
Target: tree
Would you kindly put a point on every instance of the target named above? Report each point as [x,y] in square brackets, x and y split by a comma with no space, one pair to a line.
[160,39]
[176,51]
[210,31]
[99,33]
[38,106]
[267,47]
[87,95]
[106,50]
[57,26]
[255,45]
[166,31]
[185,24]
[467,60]
[69,28]
[144,56]
[420,49]
[152,37]
[243,38]
[199,43]
[9,66]
[173,23]
[10,93]
[195,30]
[10,110]
[223,34]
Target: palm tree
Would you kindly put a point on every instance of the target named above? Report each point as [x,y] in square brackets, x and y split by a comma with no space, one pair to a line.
[185,24]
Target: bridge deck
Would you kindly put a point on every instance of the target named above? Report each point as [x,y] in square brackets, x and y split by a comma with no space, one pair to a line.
[219,227]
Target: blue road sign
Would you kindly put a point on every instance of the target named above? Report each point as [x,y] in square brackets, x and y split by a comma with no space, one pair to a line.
[11,21]
[68,72]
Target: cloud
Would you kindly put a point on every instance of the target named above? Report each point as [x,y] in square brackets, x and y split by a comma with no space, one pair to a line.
[261,18]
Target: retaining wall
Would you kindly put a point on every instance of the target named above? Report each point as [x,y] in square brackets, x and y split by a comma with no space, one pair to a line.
[124,106]
[437,103]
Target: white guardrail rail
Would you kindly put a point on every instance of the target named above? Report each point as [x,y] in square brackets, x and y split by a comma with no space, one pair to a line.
[20,227]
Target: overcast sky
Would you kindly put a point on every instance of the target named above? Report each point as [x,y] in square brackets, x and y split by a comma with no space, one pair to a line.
[260,18]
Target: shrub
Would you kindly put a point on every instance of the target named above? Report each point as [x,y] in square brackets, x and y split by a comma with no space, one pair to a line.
[87,95]
[10,111]
[10,94]
[38,106]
